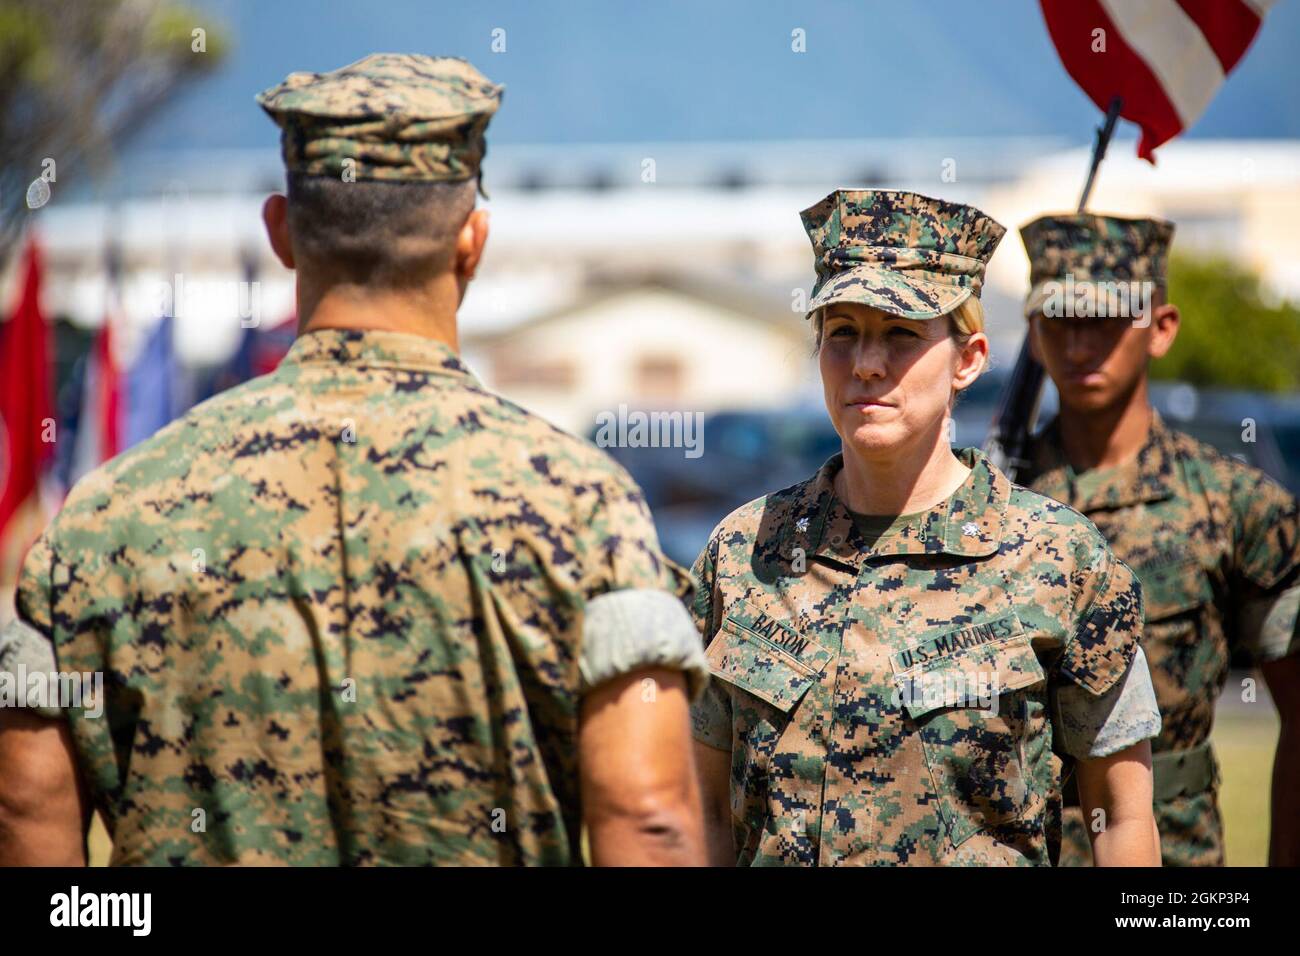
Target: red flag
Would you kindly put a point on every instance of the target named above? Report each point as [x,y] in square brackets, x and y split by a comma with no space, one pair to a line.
[274,344]
[26,404]
[108,393]
[1165,58]
[100,432]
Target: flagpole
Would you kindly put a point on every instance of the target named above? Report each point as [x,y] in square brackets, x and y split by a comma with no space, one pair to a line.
[1007,444]
[1104,133]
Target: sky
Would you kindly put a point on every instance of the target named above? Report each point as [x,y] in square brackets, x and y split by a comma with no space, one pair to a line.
[596,71]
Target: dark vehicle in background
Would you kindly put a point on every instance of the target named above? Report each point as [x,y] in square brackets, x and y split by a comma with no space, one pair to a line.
[747,454]
[1261,430]
[1258,429]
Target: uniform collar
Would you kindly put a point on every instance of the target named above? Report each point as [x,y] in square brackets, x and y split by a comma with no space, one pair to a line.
[968,524]
[1145,478]
[377,349]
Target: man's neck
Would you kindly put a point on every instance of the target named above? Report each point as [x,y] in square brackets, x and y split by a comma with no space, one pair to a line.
[427,311]
[1109,436]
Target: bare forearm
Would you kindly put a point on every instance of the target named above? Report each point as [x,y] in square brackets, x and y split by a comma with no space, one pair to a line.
[1284,835]
[1128,843]
[668,838]
[43,810]
[640,796]
[39,843]
[1116,790]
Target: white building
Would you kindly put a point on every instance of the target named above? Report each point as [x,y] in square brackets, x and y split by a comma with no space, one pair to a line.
[651,342]
[650,273]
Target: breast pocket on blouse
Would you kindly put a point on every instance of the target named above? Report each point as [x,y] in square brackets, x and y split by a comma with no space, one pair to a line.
[966,690]
[1172,586]
[765,657]
[770,668]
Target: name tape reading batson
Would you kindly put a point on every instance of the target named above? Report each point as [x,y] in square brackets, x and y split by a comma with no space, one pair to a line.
[62,689]
[778,634]
[73,909]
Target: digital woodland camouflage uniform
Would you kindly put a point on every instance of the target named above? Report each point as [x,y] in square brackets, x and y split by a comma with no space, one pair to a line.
[895,690]
[349,610]
[1215,543]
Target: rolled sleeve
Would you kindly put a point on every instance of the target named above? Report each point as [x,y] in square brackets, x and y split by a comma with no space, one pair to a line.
[628,630]
[25,651]
[1268,626]
[634,598]
[27,642]
[1087,725]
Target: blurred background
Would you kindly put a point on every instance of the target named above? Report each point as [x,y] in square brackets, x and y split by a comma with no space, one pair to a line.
[646,172]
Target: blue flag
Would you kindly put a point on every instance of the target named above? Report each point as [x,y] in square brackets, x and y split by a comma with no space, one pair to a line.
[151,385]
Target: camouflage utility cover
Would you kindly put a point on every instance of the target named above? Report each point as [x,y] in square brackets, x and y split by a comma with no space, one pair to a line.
[341,610]
[901,252]
[1215,543]
[398,117]
[848,671]
[1088,248]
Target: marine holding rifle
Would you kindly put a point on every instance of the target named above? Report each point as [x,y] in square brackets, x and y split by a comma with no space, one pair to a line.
[1215,542]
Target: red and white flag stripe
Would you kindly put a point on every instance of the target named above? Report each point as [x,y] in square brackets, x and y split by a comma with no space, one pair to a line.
[1165,58]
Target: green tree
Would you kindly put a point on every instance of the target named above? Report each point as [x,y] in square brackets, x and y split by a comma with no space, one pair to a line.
[77,77]
[1230,336]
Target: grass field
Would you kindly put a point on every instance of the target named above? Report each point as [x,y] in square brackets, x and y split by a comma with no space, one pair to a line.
[1245,748]
[1244,742]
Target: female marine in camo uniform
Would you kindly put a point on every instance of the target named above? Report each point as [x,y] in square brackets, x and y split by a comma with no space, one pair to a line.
[907,649]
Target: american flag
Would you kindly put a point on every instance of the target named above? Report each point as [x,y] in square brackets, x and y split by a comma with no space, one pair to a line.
[1165,58]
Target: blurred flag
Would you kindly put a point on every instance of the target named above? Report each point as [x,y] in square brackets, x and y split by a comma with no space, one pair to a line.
[69,400]
[243,364]
[260,349]
[107,393]
[1165,58]
[238,368]
[99,429]
[27,432]
[273,345]
[151,399]
[259,353]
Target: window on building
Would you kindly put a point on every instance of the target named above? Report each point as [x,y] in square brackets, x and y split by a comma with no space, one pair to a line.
[518,371]
[659,378]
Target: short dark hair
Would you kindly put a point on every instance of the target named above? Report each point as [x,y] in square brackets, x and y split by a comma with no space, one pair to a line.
[377,233]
